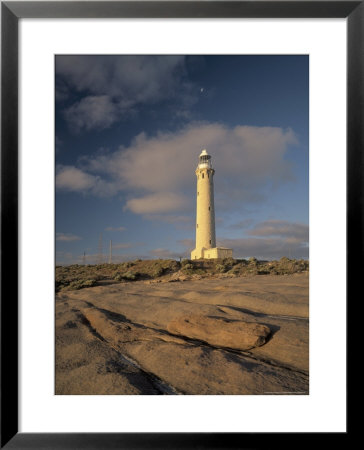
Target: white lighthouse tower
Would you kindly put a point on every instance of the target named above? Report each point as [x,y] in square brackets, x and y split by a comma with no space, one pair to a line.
[205,213]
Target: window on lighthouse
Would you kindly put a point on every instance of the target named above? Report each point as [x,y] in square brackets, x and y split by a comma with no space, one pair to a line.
[203,175]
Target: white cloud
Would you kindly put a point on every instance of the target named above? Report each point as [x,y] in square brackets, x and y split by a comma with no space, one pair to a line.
[157,203]
[266,248]
[146,77]
[170,218]
[250,155]
[188,243]
[67,237]
[119,84]
[182,222]
[92,112]
[72,179]
[271,239]
[282,228]
[246,223]
[165,253]
[157,173]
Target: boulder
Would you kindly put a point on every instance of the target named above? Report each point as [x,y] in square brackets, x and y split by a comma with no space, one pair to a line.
[221,332]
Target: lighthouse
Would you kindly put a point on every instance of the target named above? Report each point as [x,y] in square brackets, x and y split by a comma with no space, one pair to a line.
[205,213]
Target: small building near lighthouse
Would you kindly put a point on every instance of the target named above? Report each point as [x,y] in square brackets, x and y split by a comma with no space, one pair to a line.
[205,213]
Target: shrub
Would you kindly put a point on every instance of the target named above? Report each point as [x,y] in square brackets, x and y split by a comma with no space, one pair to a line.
[197,271]
[129,276]
[157,272]
[79,284]
[242,262]
[89,283]
[236,270]
[284,259]
[229,262]
[185,262]
[60,284]
[221,268]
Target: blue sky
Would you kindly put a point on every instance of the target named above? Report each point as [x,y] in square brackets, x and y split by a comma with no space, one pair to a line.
[129,130]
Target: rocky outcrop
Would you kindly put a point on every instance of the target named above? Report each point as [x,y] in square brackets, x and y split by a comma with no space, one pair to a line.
[221,332]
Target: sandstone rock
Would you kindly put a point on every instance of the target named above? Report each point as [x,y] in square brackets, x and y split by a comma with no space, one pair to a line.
[178,276]
[220,332]
[196,277]
[183,278]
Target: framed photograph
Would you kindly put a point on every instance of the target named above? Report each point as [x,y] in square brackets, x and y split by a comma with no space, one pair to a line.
[181,200]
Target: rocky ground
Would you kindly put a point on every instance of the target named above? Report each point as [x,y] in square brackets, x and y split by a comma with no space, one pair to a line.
[183,333]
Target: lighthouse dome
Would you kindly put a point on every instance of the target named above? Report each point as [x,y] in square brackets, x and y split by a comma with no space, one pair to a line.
[204,160]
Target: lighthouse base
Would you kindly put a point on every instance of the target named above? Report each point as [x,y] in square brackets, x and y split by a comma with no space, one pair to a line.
[212,253]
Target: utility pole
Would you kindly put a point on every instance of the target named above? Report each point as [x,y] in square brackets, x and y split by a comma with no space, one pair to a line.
[99,253]
[110,255]
[84,258]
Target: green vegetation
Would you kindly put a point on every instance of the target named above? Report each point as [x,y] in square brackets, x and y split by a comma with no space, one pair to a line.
[192,269]
[284,266]
[220,268]
[185,262]
[78,276]
[75,284]
[84,276]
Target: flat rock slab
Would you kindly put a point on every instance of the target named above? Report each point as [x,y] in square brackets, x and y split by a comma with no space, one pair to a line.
[221,332]
[113,340]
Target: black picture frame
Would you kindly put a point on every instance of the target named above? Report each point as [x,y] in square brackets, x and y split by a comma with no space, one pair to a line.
[11,12]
